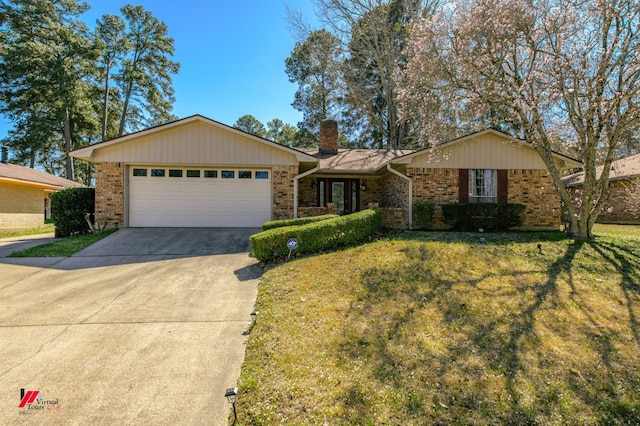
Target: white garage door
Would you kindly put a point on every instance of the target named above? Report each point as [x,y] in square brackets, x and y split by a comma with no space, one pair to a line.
[190,197]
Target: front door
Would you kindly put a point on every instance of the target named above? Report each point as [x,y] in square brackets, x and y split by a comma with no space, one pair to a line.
[343,192]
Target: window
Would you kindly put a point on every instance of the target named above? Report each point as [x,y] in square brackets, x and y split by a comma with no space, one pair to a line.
[157,172]
[482,186]
[175,173]
[139,172]
[193,173]
[244,174]
[262,175]
[228,174]
[210,174]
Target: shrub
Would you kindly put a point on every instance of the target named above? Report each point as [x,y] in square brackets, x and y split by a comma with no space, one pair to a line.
[316,236]
[424,212]
[296,222]
[68,210]
[487,216]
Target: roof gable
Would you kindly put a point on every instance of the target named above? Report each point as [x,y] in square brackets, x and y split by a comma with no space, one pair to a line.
[192,140]
[487,149]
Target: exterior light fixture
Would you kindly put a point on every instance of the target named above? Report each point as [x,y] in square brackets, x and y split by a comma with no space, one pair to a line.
[254,316]
[363,187]
[232,395]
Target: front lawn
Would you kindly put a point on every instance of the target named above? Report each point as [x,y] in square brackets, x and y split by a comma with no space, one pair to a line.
[48,228]
[441,328]
[63,247]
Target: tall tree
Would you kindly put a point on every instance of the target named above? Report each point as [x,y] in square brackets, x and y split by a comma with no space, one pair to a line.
[280,132]
[112,45]
[565,72]
[372,36]
[314,66]
[248,123]
[145,78]
[45,55]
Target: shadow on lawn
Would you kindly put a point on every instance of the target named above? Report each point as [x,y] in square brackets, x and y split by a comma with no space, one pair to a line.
[498,344]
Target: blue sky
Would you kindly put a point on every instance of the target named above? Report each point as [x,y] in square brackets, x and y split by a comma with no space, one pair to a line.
[231,53]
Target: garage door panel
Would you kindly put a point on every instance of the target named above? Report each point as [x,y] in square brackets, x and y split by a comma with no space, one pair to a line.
[205,202]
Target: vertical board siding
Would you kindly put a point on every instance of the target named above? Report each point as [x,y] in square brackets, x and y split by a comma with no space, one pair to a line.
[196,143]
[484,151]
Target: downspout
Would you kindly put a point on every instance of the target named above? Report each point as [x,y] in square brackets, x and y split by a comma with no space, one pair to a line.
[295,188]
[408,179]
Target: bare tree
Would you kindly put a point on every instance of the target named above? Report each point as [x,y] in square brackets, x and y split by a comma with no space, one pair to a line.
[567,73]
[372,35]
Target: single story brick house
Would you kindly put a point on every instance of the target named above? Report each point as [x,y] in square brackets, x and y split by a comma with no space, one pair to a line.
[199,172]
[624,186]
[24,195]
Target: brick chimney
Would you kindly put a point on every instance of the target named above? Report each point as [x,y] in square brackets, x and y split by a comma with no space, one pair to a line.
[329,137]
[5,154]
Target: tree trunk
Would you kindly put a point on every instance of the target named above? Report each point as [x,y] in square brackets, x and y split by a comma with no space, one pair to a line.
[67,144]
[127,96]
[106,105]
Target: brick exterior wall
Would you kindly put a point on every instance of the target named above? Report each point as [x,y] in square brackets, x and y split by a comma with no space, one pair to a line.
[439,186]
[395,191]
[617,209]
[332,208]
[22,207]
[535,189]
[110,194]
[282,183]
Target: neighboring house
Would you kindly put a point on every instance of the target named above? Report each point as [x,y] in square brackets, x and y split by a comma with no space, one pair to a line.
[198,172]
[24,195]
[623,204]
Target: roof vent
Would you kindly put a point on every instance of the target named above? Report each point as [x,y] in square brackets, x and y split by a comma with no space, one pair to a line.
[5,154]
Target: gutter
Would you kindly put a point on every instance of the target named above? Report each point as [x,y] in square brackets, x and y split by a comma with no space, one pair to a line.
[295,188]
[408,179]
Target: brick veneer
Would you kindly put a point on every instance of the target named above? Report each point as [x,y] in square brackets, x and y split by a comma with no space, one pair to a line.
[535,189]
[22,207]
[616,209]
[282,182]
[110,194]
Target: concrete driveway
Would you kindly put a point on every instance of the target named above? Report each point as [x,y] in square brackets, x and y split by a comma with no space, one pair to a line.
[146,326]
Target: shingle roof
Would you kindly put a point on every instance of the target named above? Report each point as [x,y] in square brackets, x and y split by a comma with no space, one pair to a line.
[624,168]
[355,160]
[13,172]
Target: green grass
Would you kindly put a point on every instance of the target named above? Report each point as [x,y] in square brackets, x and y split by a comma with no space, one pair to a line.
[438,328]
[63,247]
[48,228]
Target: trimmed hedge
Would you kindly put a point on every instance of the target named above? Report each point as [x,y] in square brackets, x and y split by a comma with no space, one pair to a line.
[316,236]
[295,222]
[68,210]
[486,216]
[424,212]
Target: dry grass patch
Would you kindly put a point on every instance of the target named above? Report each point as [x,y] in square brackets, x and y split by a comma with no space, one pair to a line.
[439,328]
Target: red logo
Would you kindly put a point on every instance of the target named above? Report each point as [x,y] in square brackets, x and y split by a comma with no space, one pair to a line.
[27,398]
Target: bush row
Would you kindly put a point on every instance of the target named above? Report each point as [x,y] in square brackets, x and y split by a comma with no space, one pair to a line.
[486,216]
[423,211]
[294,222]
[68,210]
[316,236]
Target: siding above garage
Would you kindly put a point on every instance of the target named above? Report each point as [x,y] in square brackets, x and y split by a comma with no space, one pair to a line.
[195,143]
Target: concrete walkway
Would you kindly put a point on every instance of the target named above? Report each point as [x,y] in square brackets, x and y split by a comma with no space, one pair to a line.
[144,327]
[13,244]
